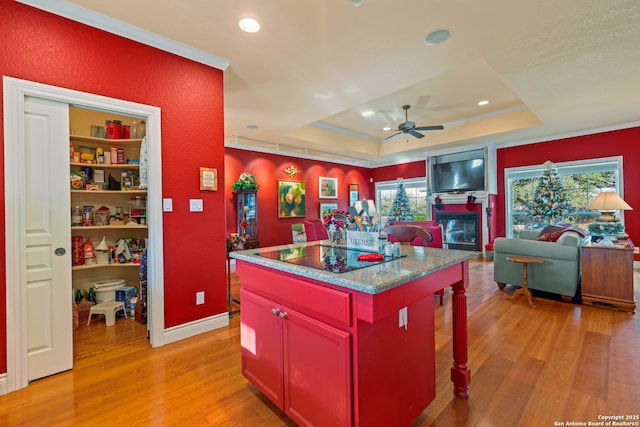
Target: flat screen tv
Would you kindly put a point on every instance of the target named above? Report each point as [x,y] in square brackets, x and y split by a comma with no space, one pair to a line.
[461,175]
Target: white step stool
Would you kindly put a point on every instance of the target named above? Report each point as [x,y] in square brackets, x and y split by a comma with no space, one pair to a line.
[109,309]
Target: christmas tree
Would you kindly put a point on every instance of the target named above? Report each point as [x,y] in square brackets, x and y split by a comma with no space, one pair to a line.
[400,209]
[549,203]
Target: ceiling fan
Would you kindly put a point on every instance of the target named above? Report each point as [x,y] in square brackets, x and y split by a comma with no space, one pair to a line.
[410,127]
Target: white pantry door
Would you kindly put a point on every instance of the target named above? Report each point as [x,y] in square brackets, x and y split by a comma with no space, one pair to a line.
[48,238]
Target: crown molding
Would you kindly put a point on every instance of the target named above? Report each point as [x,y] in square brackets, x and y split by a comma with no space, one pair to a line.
[119,28]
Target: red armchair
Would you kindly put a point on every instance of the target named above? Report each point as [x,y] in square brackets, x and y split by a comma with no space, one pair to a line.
[314,229]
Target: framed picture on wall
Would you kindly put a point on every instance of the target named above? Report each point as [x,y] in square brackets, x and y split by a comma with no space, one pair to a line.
[327,188]
[326,208]
[354,193]
[291,199]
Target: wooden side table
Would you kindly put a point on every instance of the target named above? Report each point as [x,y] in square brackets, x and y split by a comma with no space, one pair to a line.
[607,276]
[524,290]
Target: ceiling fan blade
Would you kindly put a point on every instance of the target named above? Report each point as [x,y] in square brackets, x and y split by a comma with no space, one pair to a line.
[434,127]
[391,136]
[416,134]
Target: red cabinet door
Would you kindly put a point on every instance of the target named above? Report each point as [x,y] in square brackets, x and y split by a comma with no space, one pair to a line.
[317,371]
[261,345]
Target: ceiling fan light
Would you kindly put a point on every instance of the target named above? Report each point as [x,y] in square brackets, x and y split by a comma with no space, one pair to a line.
[356,3]
[438,36]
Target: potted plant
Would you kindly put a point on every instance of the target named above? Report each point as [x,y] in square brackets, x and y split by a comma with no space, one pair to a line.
[247,181]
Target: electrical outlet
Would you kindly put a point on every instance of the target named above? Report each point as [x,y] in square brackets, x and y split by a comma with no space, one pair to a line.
[403,320]
[199,297]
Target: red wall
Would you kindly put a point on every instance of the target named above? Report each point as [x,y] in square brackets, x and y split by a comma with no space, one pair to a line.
[417,169]
[268,169]
[607,144]
[45,48]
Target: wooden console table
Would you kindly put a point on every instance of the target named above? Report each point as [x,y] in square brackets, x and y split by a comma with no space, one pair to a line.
[607,276]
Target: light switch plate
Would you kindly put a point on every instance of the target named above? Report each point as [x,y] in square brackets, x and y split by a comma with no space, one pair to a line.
[167,205]
[199,297]
[195,205]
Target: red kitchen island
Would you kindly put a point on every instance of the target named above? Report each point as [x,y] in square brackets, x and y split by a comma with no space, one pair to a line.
[334,342]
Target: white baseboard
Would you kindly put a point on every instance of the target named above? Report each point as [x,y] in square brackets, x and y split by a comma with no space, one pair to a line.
[197,327]
[3,384]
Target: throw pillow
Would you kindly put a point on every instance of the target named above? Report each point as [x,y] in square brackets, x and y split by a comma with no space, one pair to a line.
[551,237]
[551,229]
[576,230]
[570,238]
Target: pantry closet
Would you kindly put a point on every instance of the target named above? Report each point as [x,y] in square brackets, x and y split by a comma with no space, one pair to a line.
[39,274]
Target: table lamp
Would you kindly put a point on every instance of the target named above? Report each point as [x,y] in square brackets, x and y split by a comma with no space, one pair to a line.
[607,203]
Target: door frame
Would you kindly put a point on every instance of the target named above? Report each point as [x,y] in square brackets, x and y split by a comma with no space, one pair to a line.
[15,91]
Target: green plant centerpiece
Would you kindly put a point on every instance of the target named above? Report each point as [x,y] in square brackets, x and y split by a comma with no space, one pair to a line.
[247,181]
[606,228]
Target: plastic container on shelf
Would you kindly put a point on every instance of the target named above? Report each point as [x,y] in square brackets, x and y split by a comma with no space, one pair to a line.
[76,216]
[113,129]
[105,290]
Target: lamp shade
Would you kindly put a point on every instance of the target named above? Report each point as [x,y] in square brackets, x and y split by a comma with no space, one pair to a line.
[609,201]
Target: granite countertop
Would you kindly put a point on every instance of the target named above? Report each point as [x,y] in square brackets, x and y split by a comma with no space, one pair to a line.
[374,279]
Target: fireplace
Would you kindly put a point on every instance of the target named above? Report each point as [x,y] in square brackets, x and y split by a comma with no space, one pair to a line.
[460,230]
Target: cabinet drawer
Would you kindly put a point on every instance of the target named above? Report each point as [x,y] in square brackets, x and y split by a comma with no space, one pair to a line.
[306,296]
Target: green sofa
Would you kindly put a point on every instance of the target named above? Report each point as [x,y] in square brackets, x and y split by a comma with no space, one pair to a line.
[560,272]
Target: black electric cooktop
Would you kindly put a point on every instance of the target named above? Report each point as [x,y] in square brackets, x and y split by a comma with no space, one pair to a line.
[337,259]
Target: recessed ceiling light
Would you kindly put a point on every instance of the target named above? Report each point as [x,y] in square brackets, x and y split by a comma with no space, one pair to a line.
[483,102]
[438,36]
[252,126]
[368,113]
[386,128]
[249,25]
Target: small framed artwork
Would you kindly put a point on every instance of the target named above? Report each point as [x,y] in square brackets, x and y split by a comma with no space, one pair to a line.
[328,188]
[354,193]
[208,179]
[291,199]
[326,208]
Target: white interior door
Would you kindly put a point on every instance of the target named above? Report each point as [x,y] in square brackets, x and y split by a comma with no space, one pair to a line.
[48,238]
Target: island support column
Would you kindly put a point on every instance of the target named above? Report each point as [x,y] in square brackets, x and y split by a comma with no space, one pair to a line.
[460,372]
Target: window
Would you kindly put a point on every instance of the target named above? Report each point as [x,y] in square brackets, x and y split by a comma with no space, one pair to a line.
[581,182]
[416,189]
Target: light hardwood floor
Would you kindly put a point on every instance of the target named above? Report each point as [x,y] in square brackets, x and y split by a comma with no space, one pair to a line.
[554,364]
